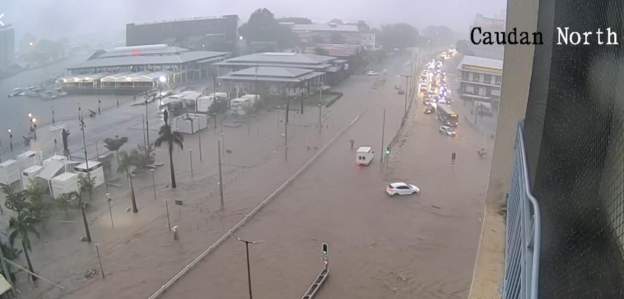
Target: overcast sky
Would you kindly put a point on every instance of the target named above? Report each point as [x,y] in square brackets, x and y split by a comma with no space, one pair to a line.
[56,18]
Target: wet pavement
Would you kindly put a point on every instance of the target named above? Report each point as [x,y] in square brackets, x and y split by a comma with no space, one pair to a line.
[420,246]
[139,253]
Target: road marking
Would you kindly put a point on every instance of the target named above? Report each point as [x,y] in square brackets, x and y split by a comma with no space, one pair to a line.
[253,212]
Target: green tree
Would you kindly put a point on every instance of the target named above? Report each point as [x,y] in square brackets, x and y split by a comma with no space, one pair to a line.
[127,162]
[21,227]
[170,137]
[400,35]
[65,201]
[114,144]
[144,157]
[263,27]
[39,208]
[15,200]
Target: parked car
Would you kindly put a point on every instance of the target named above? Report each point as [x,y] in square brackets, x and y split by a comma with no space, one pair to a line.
[372,73]
[401,188]
[428,109]
[448,131]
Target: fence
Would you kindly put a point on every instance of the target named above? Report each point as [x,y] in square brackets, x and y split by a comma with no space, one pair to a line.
[523,232]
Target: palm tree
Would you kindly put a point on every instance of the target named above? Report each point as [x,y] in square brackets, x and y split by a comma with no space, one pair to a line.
[166,134]
[10,253]
[126,164]
[21,227]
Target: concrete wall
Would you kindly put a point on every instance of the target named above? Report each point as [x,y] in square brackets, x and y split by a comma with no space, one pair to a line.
[517,69]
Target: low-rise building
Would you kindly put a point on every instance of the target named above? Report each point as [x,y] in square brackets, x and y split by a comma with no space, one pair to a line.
[335,69]
[480,81]
[140,68]
[273,81]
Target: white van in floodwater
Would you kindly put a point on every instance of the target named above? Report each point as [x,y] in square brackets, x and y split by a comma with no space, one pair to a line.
[364,155]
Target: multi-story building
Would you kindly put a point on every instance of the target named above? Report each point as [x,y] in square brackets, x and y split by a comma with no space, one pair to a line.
[480,82]
[214,33]
[7,46]
[311,34]
[487,24]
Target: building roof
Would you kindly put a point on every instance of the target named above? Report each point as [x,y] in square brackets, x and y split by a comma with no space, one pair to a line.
[481,62]
[325,27]
[271,74]
[279,58]
[185,20]
[150,54]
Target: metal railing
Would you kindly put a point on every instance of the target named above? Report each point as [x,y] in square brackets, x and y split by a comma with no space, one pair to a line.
[522,251]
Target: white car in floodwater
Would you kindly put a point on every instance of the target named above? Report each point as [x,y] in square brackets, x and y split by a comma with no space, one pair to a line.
[401,188]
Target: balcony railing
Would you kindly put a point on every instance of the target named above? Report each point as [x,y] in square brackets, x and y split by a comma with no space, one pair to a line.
[522,252]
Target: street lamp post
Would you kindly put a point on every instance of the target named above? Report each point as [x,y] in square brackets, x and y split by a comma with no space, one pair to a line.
[247,242]
[147,141]
[10,140]
[34,127]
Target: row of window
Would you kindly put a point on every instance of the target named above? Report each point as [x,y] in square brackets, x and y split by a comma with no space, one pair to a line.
[477,77]
[480,90]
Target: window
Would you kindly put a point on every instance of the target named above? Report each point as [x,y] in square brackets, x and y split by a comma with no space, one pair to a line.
[495,92]
[469,89]
[480,91]
[465,76]
[476,77]
[498,80]
[487,79]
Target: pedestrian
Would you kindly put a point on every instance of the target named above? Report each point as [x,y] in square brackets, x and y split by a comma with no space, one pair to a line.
[117,103]
[351,142]
[453,155]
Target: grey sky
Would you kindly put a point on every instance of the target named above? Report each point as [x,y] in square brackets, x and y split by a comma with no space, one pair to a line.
[55,18]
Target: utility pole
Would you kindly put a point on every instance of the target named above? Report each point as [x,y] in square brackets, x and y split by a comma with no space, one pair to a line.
[220,173]
[153,171]
[383,128]
[191,161]
[321,108]
[110,208]
[167,211]
[247,242]
[147,141]
[286,130]
[200,146]
[406,92]
[97,250]
[82,204]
